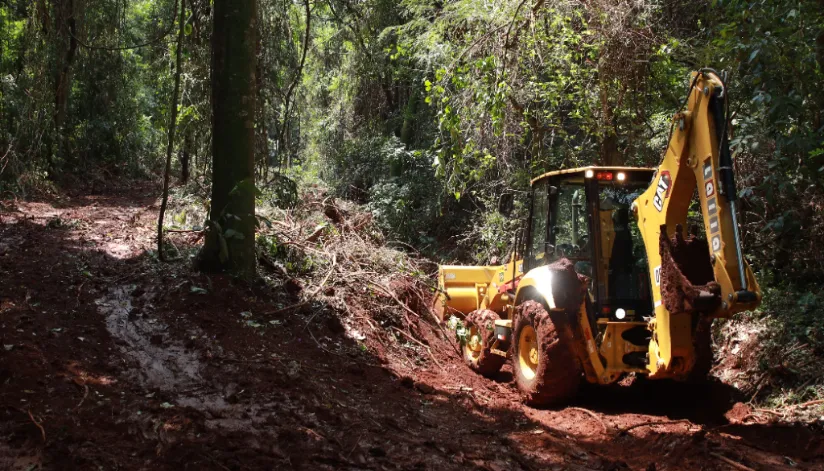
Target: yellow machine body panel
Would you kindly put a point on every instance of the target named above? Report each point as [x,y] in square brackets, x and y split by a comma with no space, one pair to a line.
[463,289]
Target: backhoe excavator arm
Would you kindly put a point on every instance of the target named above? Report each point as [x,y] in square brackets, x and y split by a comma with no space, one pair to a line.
[689,277]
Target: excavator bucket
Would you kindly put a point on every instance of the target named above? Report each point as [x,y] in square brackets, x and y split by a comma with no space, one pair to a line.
[687,278]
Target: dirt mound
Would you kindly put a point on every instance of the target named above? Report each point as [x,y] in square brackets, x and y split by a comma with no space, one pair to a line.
[686,273]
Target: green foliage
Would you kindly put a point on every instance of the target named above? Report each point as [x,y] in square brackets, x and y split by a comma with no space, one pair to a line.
[777,71]
[796,313]
[293,260]
[281,192]
[398,185]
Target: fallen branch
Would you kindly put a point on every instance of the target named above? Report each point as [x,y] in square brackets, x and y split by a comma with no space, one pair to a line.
[181,231]
[42,430]
[730,462]
[403,305]
[79,291]
[325,279]
[392,295]
[287,308]
[647,424]
[805,404]
[85,395]
[781,412]
[428,350]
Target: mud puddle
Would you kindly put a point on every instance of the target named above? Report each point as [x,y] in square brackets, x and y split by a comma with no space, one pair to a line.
[164,364]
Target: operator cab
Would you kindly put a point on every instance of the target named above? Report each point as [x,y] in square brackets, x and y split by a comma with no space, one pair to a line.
[584,215]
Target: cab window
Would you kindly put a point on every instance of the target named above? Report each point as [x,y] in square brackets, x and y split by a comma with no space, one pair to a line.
[538,225]
[570,228]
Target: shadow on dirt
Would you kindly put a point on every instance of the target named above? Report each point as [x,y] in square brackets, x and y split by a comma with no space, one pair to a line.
[704,404]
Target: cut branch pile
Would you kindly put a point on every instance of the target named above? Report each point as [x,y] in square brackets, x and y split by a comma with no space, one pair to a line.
[334,258]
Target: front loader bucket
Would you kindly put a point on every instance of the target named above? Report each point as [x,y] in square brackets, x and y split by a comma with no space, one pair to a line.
[687,278]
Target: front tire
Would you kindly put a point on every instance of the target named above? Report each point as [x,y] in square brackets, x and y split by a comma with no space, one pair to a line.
[546,368]
[477,348]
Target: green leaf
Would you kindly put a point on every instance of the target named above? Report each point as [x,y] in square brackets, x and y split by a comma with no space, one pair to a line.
[187,29]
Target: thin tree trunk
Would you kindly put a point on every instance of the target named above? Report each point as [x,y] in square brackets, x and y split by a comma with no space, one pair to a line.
[66,30]
[819,41]
[609,145]
[172,129]
[409,118]
[230,240]
[298,75]
[185,157]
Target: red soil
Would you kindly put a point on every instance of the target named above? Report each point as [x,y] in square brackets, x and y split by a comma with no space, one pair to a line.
[112,360]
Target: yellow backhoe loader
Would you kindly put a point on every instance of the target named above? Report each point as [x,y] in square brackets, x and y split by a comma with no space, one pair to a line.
[604,280]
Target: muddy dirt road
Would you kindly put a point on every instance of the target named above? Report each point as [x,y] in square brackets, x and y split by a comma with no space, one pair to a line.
[111,360]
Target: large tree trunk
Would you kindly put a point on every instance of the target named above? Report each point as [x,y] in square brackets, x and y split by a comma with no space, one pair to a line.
[230,240]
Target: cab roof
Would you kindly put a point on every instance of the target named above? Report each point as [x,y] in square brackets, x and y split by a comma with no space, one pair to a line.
[581,171]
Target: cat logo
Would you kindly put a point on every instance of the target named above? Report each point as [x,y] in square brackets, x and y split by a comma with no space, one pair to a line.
[662,191]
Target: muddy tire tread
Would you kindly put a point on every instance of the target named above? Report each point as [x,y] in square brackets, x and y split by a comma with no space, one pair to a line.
[559,372]
[488,364]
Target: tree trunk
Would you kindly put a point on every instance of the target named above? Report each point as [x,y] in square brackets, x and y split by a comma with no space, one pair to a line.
[184,158]
[609,145]
[66,31]
[819,42]
[230,240]
[410,115]
[172,129]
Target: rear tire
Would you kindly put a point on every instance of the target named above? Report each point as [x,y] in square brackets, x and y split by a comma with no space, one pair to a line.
[480,325]
[546,368]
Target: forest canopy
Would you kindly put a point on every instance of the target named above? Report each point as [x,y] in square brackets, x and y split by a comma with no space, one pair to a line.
[426,111]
